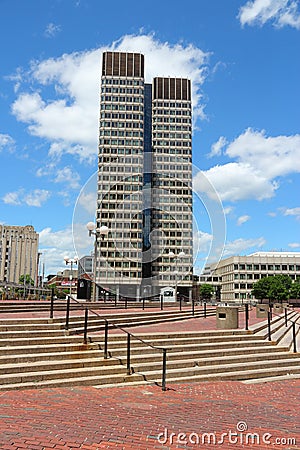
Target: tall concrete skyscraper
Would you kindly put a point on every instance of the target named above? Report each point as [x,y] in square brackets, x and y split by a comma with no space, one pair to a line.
[144,180]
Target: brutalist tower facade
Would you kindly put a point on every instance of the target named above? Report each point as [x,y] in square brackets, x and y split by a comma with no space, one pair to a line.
[144,180]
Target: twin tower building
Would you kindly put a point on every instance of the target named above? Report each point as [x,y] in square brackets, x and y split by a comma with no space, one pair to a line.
[144,181]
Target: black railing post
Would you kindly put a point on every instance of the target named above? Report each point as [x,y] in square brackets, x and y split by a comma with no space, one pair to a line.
[247,316]
[106,340]
[115,301]
[164,369]
[180,303]
[294,338]
[204,309]
[126,302]
[161,302]
[86,313]
[285,317]
[193,306]
[52,303]
[269,325]
[128,354]
[68,312]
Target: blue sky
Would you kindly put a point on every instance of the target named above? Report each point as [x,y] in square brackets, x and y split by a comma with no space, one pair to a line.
[243,59]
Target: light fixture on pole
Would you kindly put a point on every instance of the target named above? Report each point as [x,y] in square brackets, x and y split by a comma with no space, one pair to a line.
[71,262]
[180,255]
[97,232]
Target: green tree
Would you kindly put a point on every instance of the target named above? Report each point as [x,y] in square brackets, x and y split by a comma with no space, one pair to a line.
[28,280]
[295,290]
[273,288]
[261,288]
[206,291]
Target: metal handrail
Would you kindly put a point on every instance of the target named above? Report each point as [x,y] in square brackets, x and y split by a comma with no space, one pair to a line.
[294,322]
[129,335]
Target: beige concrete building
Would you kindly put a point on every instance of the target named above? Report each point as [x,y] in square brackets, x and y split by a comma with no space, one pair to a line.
[237,274]
[144,180]
[18,253]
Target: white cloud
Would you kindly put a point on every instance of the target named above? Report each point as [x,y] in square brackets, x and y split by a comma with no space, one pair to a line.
[6,142]
[12,198]
[68,176]
[70,121]
[272,156]
[280,12]
[228,210]
[55,245]
[243,219]
[37,197]
[202,241]
[294,245]
[291,212]
[52,30]
[34,198]
[217,147]
[259,162]
[242,246]
[88,202]
[238,181]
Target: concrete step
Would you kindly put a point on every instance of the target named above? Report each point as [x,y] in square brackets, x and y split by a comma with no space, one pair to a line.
[28,358]
[131,322]
[96,352]
[232,376]
[47,348]
[27,341]
[137,341]
[122,336]
[35,362]
[142,350]
[284,365]
[262,360]
[63,364]
[261,328]
[81,377]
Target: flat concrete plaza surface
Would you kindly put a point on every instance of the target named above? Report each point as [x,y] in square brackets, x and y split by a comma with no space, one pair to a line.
[229,415]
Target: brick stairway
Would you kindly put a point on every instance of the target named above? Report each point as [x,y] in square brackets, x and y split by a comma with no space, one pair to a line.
[37,353]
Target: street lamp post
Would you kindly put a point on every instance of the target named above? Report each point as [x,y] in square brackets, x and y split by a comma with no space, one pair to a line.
[71,262]
[181,254]
[97,232]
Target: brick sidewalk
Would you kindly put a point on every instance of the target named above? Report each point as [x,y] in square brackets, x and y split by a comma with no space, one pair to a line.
[135,417]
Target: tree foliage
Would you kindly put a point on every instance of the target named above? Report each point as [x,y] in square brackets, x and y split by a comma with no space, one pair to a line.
[206,291]
[295,290]
[274,288]
[28,280]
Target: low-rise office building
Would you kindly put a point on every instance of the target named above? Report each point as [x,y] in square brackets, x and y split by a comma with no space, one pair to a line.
[237,274]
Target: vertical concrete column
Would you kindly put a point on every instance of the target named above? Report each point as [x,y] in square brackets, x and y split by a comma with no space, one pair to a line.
[138,294]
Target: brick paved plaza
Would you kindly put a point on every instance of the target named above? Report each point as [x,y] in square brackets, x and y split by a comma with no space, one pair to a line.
[134,417]
[213,415]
